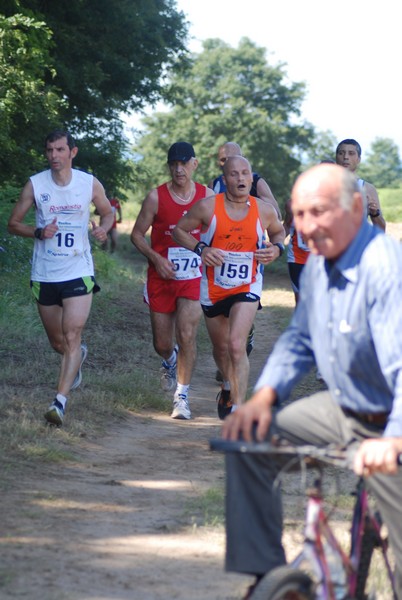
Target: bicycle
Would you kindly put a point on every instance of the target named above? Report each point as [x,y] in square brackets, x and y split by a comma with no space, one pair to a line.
[322,570]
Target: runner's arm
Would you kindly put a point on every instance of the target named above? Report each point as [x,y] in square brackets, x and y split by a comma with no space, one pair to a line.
[142,224]
[264,192]
[104,209]
[25,202]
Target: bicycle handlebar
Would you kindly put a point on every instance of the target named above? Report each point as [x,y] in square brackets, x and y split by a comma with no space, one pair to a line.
[335,455]
[330,454]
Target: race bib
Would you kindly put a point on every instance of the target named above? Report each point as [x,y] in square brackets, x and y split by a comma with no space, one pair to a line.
[67,241]
[237,270]
[186,263]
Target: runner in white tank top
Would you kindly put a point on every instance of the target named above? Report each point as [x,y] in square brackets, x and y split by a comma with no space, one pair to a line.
[62,277]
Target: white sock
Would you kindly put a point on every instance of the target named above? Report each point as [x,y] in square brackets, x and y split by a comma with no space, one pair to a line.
[62,399]
[182,389]
[226,385]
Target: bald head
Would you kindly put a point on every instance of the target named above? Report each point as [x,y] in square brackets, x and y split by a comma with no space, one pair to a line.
[226,150]
[331,178]
[236,161]
[328,209]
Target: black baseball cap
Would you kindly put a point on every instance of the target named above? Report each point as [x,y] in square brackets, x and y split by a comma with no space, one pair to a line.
[181,151]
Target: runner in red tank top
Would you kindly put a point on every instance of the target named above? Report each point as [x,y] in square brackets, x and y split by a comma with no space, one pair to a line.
[172,289]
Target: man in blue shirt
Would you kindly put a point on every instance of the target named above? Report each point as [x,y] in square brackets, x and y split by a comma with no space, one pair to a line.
[349,322]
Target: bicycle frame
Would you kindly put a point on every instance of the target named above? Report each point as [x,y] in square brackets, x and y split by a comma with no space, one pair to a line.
[319,539]
[318,535]
[364,518]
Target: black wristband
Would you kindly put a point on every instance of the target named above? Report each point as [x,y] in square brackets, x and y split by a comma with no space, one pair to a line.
[281,248]
[38,233]
[199,247]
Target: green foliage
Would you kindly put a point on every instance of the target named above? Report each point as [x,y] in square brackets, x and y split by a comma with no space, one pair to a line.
[391,204]
[27,102]
[79,65]
[322,149]
[383,167]
[232,94]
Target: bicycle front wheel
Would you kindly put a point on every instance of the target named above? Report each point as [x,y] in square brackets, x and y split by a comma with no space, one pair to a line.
[285,583]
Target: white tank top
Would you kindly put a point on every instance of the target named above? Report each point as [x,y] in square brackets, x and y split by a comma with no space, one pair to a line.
[67,255]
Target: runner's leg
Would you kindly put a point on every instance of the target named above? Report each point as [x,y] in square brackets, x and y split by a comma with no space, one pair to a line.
[187,319]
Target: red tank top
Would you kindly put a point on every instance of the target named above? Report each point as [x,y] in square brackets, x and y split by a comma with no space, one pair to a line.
[168,215]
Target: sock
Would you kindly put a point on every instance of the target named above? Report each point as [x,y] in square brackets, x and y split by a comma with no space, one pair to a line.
[226,385]
[182,389]
[62,399]
[173,359]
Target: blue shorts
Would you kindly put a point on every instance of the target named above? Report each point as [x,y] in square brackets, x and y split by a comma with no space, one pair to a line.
[50,294]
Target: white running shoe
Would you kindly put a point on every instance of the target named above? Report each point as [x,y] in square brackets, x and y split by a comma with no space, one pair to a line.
[181,407]
[78,377]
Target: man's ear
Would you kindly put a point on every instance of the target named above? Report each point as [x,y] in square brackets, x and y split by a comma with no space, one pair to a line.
[74,152]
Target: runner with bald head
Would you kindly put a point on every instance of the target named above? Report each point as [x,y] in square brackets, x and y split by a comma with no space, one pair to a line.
[259,187]
[232,247]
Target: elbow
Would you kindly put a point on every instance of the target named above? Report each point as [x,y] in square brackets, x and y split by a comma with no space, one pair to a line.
[176,235]
[10,228]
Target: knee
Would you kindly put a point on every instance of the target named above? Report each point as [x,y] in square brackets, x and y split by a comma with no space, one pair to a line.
[237,349]
[163,347]
[186,337]
[72,340]
[57,344]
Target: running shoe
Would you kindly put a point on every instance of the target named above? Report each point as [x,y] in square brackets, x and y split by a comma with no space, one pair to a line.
[224,403]
[168,374]
[55,413]
[250,340]
[181,408]
[78,377]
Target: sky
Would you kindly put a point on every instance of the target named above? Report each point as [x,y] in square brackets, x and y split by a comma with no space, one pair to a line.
[349,54]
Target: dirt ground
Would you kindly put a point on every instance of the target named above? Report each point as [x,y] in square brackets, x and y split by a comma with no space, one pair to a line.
[117,524]
[120,523]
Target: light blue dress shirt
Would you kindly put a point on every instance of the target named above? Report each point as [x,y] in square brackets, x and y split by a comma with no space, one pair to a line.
[349,322]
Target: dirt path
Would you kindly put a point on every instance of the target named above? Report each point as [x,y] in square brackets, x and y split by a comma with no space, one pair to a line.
[120,523]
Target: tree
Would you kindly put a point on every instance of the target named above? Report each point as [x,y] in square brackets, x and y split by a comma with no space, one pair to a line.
[102,58]
[27,103]
[228,94]
[109,55]
[322,149]
[383,165]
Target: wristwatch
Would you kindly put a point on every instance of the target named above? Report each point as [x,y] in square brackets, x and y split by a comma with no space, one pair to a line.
[281,248]
[38,233]
[199,248]
[375,214]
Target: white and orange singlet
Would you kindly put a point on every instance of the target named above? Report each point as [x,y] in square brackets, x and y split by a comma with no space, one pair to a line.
[239,240]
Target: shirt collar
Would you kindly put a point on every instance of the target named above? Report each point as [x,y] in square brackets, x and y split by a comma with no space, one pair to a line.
[348,263]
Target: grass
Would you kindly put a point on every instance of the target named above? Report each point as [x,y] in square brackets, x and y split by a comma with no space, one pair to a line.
[391,204]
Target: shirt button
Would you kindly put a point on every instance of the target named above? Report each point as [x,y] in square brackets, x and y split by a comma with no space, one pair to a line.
[337,392]
[329,325]
[332,359]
